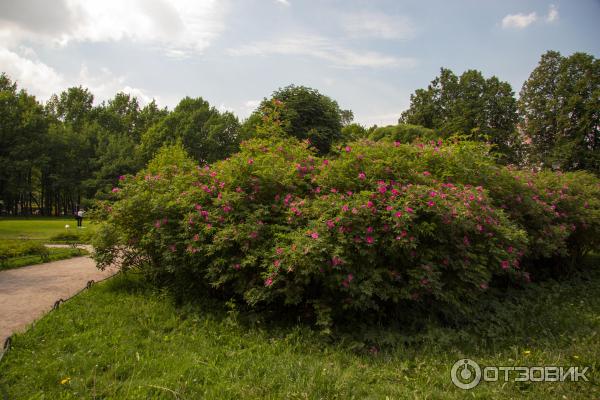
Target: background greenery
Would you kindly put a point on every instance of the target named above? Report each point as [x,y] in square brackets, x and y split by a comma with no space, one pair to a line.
[58,156]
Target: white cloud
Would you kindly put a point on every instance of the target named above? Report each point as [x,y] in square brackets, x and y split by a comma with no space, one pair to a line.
[378,25]
[322,48]
[180,27]
[284,2]
[43,81]
[35,76]
[552,13]
[519,21]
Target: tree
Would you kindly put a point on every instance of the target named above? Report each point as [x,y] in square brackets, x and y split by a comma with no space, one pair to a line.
[560,111]
[206,134]
[353,132]
[470,105]
[71,106]
[305,114]
[22,140]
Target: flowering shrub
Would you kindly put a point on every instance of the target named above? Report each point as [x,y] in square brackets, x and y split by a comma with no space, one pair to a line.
[380,226]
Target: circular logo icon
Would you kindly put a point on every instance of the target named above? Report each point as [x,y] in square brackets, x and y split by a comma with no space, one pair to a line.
[465,374]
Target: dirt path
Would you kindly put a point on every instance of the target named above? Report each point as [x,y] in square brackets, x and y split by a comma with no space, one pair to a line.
[27,293]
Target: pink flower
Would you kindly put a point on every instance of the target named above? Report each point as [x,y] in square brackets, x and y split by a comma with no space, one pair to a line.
[314,235]
[250,161]
[157,223]
[345,207]
[432,194]
[279,250]
[509,249]
[426,173]
[483,285]
[369,204]
[330,224]
[466,241]
[409,210]
[116,190]
[253,235]
[227,208]
[336,261]
[196,237]
[268,282]
[362,176]
[277,263]
[348,149]
[326,162]
[173,248]
[370,229]
[370,240]
[389,208]
[382,189]
[430,203]
[198,207]
[396,144]
[505,264]
[122,177]
[398,214]
[237,267]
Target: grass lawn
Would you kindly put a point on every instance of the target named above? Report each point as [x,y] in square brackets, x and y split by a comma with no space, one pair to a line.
[55,254]
[39,228]
[123,340]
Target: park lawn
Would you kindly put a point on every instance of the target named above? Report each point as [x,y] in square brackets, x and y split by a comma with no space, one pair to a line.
[55,254]
[41,228]
[123,340]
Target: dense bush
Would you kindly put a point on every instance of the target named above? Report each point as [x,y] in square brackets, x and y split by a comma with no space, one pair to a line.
[381,227]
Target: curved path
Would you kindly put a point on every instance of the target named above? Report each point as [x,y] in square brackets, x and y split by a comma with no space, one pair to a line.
[27,293]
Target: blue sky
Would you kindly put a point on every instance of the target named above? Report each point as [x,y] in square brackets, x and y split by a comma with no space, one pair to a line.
[368,55]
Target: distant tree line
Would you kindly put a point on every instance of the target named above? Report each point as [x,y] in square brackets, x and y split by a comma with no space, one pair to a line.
[57,156]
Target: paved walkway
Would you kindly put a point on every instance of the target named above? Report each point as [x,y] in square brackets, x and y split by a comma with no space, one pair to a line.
[27,293]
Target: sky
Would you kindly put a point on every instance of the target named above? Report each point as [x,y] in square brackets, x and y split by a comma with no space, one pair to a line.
[367,55]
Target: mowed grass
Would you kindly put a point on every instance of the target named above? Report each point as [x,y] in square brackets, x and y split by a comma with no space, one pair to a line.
[54,254]
[123,340]
[39,228]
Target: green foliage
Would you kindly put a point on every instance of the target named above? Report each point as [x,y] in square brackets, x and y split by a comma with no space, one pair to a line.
[304,114]
[378,229]
[403,133]
[484,109]
[16,254]
[560,111]
[353,132]
[207,134]
[12,249]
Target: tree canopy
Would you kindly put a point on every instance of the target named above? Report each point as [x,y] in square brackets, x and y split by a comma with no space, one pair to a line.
[206,134]
[305,114]
[470,105]
[560,111]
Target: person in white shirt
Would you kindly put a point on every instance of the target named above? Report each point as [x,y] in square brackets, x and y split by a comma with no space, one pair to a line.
[79,217]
